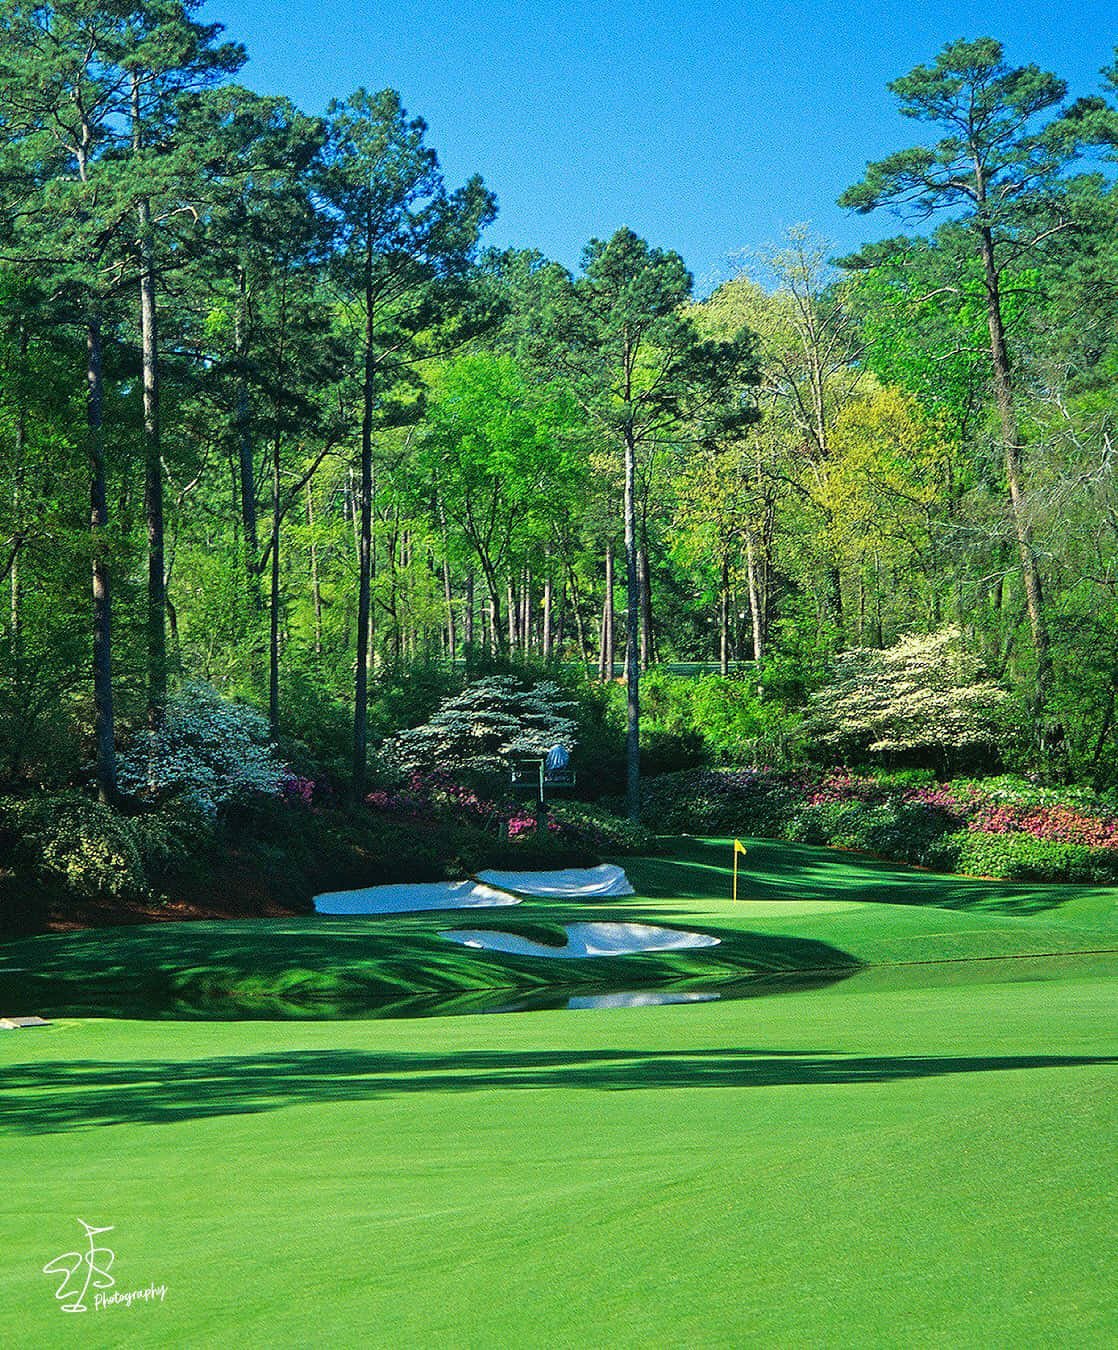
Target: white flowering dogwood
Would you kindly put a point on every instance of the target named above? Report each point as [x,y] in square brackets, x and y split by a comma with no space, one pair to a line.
[926,692]
[487,723]
[208,750]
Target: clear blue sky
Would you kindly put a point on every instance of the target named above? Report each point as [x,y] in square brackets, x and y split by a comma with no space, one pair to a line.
[708,127]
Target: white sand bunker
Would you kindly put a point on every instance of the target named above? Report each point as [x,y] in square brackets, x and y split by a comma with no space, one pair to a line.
[585,939]
[412,897]
[569,883]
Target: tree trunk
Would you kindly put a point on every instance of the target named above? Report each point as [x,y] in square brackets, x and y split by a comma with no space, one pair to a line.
[756,604]
[17,508]
[102,595]
[647,640]
[1003,389]
[153,465]
[448,591]
[274,597]
[861,607]
[561,618]
[632,631]
[469,612]
[247,477]
[316,590]
[724,617]
[547,618]
[365,537]
[513,613]
[611,630]
[834,577]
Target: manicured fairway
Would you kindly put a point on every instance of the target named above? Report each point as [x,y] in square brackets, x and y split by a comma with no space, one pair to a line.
[912,1154]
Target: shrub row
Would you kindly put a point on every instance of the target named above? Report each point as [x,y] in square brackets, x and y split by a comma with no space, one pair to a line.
[72,850]
[1005,828]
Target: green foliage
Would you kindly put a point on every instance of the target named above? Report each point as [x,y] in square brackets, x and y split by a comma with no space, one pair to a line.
[708,801]
[908,832]
[1022,857]
[599,830]
[70,840]
[900,816]
[730,717]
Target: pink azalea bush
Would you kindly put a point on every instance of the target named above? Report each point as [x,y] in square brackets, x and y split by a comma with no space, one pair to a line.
[522,823]
[425,795]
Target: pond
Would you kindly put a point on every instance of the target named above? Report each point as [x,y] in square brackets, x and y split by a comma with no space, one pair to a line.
[213,1003]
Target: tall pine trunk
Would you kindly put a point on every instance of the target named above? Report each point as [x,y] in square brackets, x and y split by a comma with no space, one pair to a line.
[608,654]
[526,613]
[316,590]
[448,590]
[513,612]
[547,619]
[247,479]
[647,649]
[16,630]
[1007,412]
[756,603]
[365,536]
[153,465]
[274,596]
[724,618]
[632,631]
[105,749]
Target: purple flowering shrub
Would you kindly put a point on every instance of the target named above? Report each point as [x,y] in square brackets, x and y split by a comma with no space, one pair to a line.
[297,790]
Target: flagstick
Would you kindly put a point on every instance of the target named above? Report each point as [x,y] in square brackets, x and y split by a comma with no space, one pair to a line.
[735,873]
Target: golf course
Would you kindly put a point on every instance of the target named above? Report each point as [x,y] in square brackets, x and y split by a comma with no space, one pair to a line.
[882,1111]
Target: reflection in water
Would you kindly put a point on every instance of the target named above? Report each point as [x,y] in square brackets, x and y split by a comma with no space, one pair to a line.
[556,1000]
[216,1004]
[639,998]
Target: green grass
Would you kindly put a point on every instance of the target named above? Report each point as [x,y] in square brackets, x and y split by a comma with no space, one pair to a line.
[921,1153]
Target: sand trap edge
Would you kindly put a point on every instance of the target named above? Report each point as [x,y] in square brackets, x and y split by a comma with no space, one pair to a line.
[412,898]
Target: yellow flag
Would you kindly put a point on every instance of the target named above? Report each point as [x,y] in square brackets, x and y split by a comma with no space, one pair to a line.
[739,847]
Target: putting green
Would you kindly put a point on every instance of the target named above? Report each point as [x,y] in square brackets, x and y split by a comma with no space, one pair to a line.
[916,1154]
[766,909]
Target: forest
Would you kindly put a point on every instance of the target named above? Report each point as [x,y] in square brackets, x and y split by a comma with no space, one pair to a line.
[278,430]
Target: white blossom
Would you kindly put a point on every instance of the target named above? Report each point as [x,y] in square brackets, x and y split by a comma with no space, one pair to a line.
[208,750]
[924,692]
[490,721]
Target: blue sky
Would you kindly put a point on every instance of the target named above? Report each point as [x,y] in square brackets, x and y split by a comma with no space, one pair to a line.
[706,126]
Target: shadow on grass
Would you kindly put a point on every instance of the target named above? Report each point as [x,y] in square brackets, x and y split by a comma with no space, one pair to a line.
[773,870]
[57,1095]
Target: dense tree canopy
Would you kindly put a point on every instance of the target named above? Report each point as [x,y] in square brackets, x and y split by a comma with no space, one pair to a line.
[265,393]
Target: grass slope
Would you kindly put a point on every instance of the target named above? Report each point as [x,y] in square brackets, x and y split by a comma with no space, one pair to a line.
[915,1155]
